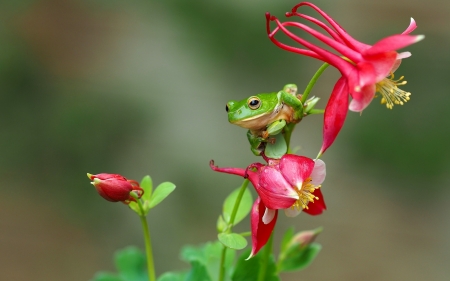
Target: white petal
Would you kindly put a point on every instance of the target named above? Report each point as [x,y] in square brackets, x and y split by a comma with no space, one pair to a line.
[269,214]
[319,172]
[402,55]
[289,212]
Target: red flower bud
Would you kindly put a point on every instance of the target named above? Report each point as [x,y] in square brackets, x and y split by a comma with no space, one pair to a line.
[115,188]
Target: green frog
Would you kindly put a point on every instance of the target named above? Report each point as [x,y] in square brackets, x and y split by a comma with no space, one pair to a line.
[266,114]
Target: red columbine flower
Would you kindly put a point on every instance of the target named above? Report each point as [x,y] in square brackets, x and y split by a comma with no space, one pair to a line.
[115,188]
[365,69]
[291,183]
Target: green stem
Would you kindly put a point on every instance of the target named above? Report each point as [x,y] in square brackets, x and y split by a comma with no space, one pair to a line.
[148,243]
[265,259]
[290,127]
[237,203]
[230,226]
[313,81]
[287,135]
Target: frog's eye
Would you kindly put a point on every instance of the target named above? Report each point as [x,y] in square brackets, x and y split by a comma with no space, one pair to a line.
[226,107]
[254,103]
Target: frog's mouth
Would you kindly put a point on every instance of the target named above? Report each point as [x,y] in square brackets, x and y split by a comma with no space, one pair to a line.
[259,122]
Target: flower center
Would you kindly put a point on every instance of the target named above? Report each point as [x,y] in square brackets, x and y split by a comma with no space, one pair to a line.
[391,94]
[305,194]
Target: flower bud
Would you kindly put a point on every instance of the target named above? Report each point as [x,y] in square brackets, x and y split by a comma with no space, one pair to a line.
[115,188]
[305,238]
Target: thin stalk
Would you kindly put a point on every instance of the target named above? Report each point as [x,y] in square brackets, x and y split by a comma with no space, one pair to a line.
[290,127]
[313,81]
[148,243]
[230,226]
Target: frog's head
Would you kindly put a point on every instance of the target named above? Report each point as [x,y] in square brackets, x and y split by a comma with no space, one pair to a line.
[248,113]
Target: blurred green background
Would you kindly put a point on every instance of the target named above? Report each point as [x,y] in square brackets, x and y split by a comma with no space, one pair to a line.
[140,87]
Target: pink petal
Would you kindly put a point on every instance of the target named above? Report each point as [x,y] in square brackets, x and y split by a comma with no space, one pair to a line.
[382,65]
[411,27]
[319,172]
[296,169]
[316,207]
[362,99]
[396,65]
[366,75]
[260,232]
[335,113]
[392,43]
[274,190]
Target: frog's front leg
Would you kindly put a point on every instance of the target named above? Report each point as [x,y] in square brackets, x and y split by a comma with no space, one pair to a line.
[294,102]
[257,144]
[258,141]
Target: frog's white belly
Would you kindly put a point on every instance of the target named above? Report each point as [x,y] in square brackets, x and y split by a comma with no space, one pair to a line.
[260,122]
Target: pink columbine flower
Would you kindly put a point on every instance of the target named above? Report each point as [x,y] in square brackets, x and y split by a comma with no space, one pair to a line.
[365,69]
[115,188]
[291,183]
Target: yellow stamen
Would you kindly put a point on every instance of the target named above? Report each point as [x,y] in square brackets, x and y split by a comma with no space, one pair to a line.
[391,94]
[305,194]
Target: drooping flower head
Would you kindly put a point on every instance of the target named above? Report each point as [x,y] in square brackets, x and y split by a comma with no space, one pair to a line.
[291,183]
[115,188]
[365,69]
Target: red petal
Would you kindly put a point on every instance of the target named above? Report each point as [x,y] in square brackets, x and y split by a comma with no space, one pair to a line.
[335,113]
[392,43]
[274,190]
[411,27]
[296,169]
[362,99]
[381,64]
[114,190]
[260,232]
[318,206]
[105,176]
[227,170]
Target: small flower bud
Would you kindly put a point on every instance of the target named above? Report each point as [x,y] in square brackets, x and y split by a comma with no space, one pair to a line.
[115,188]
[305,238]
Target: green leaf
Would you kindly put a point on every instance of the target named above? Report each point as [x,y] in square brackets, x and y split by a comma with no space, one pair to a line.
[233,240]
[161,192]
[131,264]
[288,235]
[298,258]
[244,207]
[277,149]
[105,276]
[172,276]
[135,207]
[147,186]
[221,224]
[209,255]
[198,272]
[249,269]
